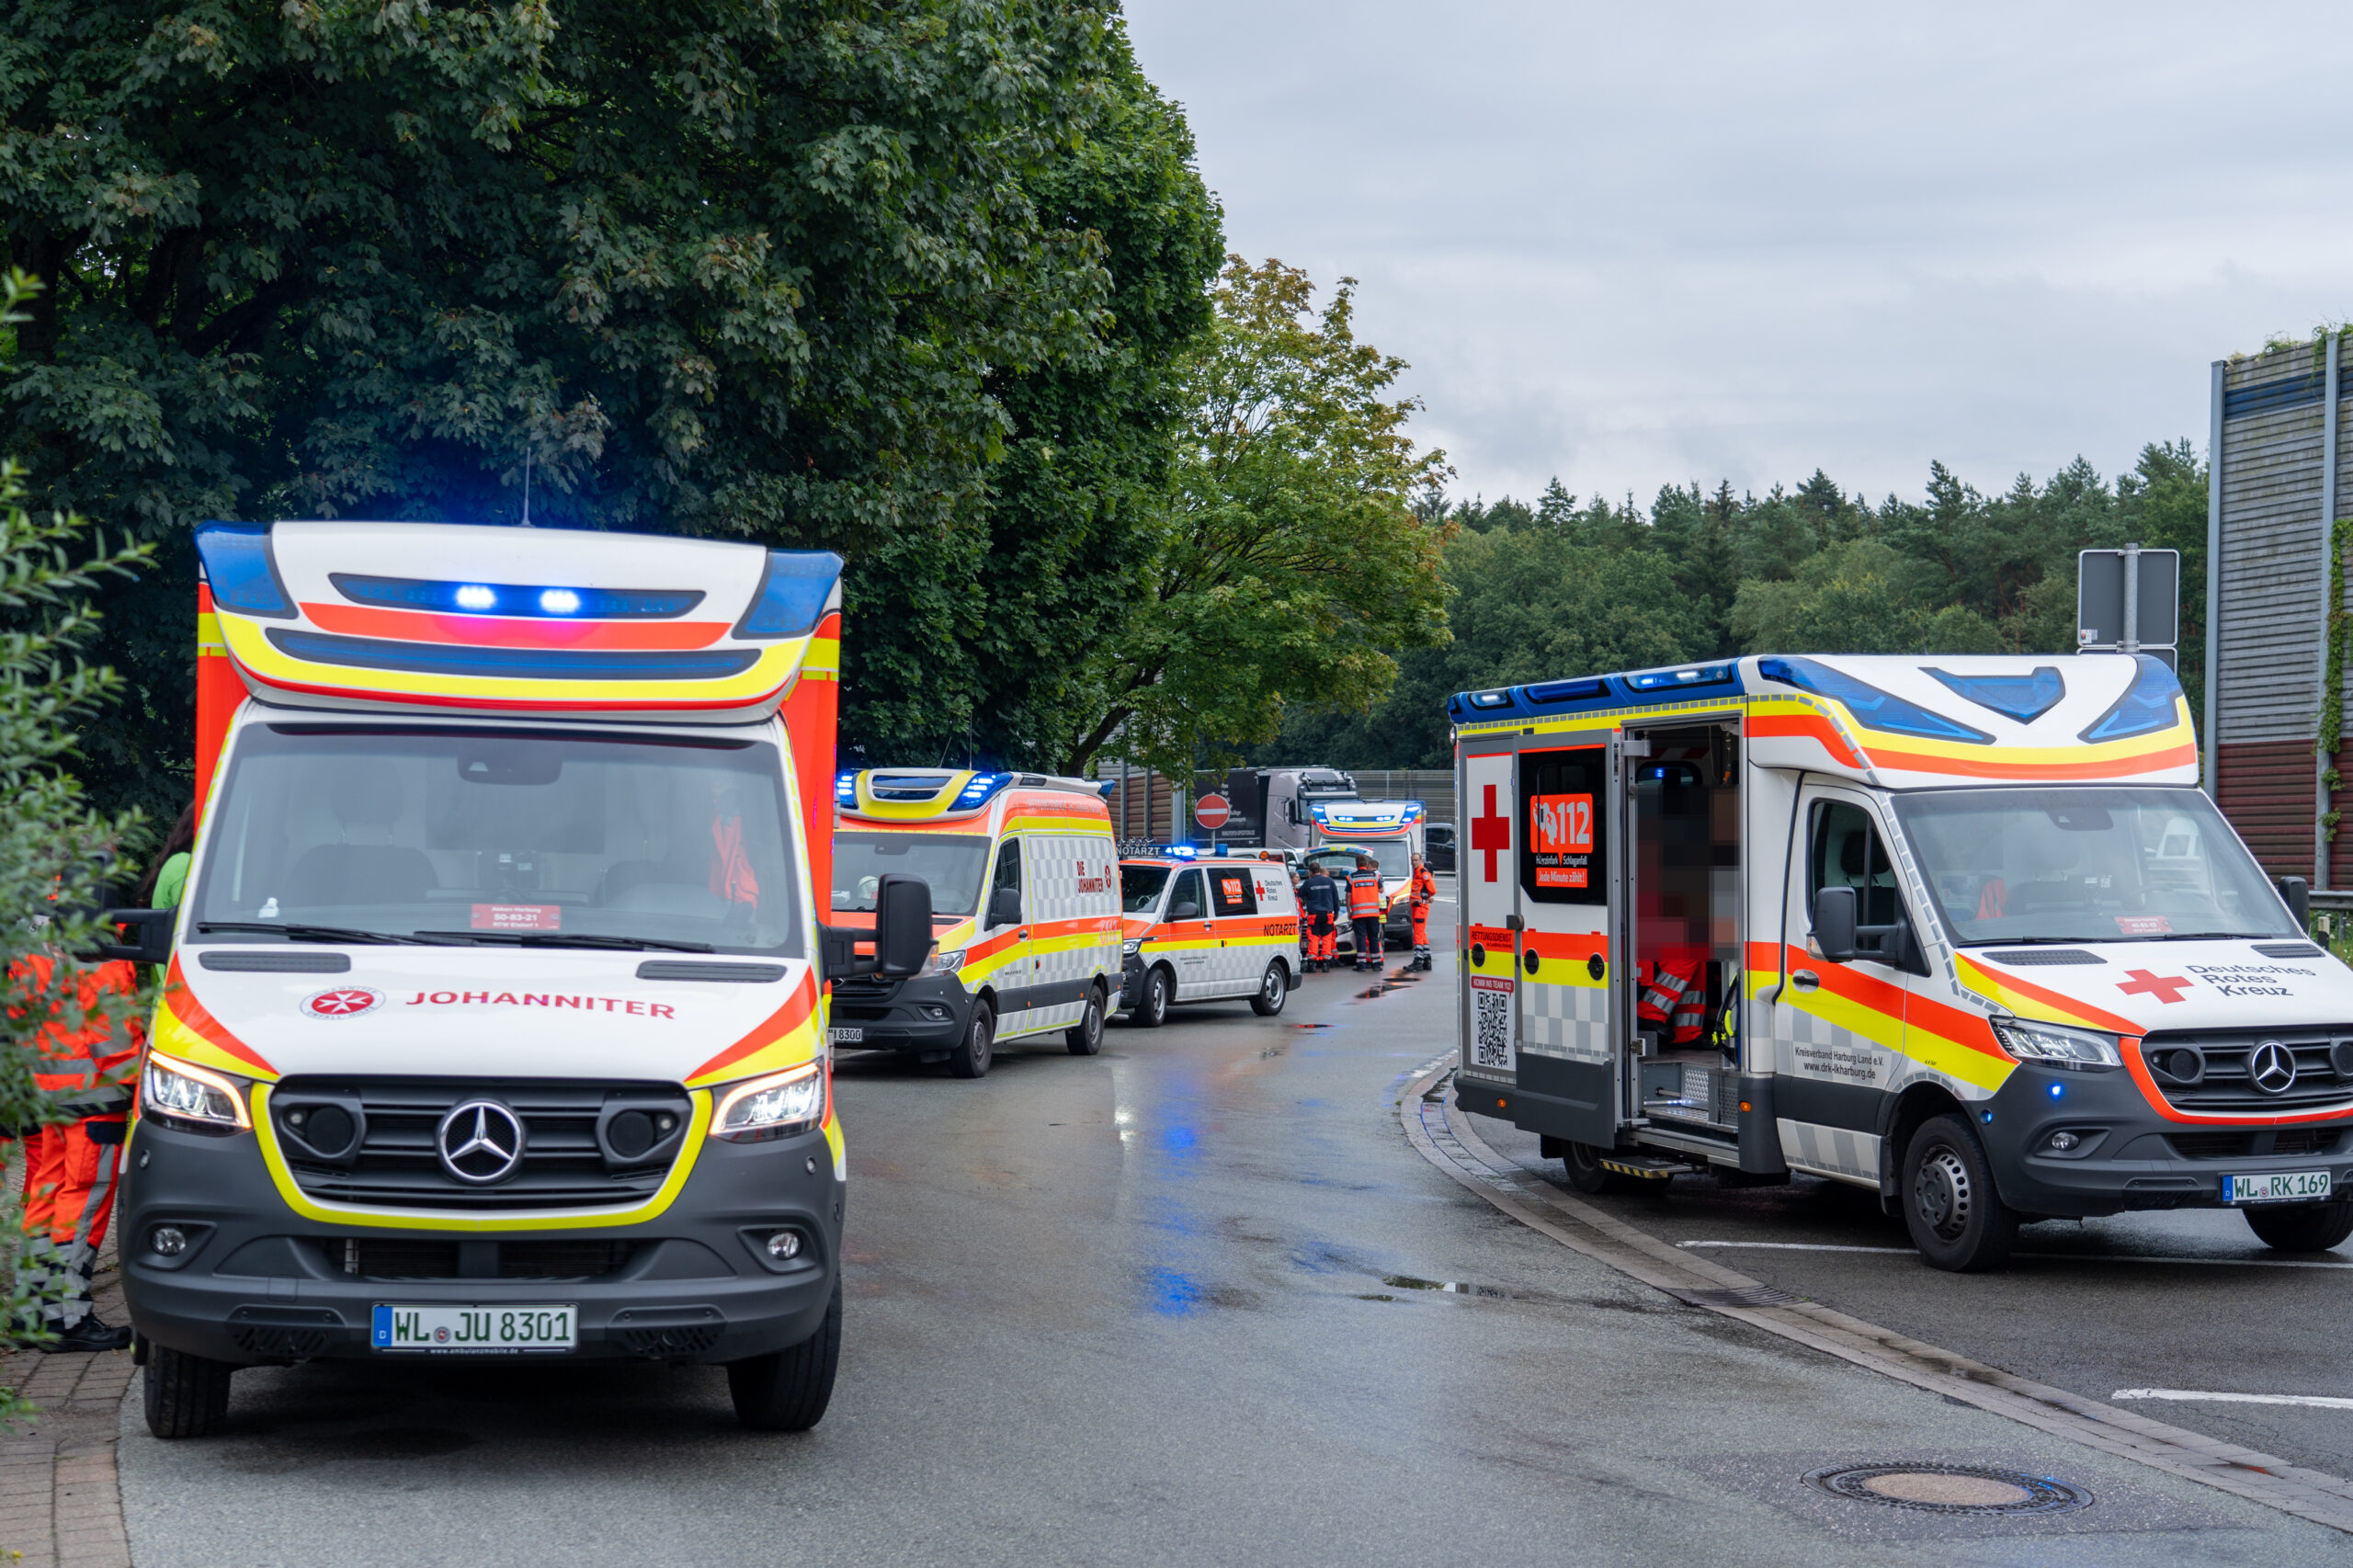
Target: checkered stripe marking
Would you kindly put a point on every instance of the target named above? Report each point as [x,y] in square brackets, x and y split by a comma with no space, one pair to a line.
[1053,864]
[1831,1149]
[1571,1022]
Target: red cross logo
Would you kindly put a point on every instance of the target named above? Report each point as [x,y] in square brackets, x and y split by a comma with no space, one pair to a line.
[1491,833]
[2164,988]
[347,1001]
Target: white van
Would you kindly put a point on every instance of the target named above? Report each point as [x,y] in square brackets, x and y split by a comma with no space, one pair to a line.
[1206,929]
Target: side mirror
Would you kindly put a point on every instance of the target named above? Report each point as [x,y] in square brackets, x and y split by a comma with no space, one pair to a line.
[1834,923]
[1185,911]
[2299,894]
[1005,907]
[901,925]
[150,931]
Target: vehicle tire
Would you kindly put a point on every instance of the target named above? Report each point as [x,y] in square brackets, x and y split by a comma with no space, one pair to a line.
[788,1390]
[1274,989]
[2302,1227]
[1586,1173]
[187,1396]
[1159,989]
[971,1057]
[1957,1220]
[1086,1037]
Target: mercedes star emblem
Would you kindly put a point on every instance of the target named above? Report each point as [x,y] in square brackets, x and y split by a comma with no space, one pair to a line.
[2272,1066]
[480,1141]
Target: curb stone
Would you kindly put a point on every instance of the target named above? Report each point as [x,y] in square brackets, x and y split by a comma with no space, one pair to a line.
[60,1501]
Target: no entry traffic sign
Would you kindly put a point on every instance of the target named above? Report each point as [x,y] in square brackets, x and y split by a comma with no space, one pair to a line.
[1211,811]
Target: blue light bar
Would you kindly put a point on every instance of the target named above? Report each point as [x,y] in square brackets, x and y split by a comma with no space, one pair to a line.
[2146,706]
[979,788]
[237,563]
[1870,706]
[1671,680]
[2024,698]
[792,592]
[844,788]
[531,600]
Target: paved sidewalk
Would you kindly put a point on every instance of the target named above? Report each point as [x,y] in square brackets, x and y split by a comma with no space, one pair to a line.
[59,1504]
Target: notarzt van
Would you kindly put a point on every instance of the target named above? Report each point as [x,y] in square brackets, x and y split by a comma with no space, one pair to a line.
[1025,897]
[1205,929]
[495,1023]
[1958,929]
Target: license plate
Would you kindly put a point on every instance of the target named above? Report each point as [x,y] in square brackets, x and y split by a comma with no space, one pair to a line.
[475,1331]
[845,1035]
[2287,1187]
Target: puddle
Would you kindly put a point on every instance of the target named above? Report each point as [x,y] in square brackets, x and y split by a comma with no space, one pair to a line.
[1448,1287]
[1395,980]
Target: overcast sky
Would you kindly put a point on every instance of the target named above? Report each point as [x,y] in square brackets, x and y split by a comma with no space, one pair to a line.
[1638,244]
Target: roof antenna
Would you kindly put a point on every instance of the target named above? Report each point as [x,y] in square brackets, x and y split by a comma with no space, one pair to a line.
[527,486]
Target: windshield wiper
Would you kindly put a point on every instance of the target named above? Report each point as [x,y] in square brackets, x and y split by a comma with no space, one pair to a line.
[2034,942]
[2215,937]
[571,939]
[298,932]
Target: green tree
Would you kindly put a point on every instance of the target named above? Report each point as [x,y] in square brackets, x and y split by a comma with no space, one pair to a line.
[1292,565]
[753,268]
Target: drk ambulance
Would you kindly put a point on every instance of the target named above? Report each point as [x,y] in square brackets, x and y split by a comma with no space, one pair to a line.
[495,1018]
[1024,896]
[1392,832]
[1206,928]
[1961,930]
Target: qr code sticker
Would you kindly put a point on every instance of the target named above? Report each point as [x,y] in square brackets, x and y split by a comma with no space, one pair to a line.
[1491,1040]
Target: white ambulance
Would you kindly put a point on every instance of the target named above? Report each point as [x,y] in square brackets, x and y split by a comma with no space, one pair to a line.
[1958,929]
[495,1021]
[1392,832]
[1022,868]
[1206,928]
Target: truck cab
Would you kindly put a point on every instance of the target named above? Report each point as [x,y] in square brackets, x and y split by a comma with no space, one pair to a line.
[1961,930]
[495,1019]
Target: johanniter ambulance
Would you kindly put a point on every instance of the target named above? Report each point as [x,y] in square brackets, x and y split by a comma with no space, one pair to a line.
[494,1022]
[1971,938]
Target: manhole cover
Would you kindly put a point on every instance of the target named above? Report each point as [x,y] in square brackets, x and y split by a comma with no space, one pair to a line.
[1746,1296]
[1949,1488]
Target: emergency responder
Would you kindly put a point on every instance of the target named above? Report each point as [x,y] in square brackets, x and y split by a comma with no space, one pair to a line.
[70,1167]
[1319,906]
[1423,889]
[1364,912]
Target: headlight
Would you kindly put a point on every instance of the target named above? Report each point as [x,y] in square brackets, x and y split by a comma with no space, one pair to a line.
[2054,1046]
[938,962]
[1130,949]
[183,1092]
[776,1106]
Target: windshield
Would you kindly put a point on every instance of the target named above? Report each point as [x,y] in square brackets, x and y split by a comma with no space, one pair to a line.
[950,862]
[1140,887]
[2086,866]
[1394,857]
[546,836]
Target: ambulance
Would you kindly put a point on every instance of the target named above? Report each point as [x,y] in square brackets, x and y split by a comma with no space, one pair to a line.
[1958,929]
[1025,900]
[1392,832]
[495,1019]
[1206,928]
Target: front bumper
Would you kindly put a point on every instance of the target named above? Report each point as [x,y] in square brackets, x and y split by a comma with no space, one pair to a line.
[258,1285]
[926,1012]
[2127,1156]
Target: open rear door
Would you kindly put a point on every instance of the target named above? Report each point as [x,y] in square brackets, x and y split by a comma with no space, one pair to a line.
[1565,873]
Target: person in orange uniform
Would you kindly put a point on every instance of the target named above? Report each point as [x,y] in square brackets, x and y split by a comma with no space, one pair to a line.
[1364,912]
[1319,906]
[1423,889]
[70,1166]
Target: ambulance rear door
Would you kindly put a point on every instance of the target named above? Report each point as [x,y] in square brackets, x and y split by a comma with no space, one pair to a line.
[1566,871]
[1488,886]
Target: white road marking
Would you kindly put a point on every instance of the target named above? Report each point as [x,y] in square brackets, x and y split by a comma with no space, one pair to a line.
[2317,1402]
[2049,1256]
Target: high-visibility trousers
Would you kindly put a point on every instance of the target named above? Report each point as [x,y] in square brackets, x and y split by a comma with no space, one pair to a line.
[1322,937]
[1421,929]
[69,1198]
[1369,940]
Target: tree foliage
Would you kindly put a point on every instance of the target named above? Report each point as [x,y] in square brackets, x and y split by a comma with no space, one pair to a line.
[774,269]
[1291,564]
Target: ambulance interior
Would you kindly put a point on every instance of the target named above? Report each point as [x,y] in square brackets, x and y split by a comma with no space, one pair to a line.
[1685,803]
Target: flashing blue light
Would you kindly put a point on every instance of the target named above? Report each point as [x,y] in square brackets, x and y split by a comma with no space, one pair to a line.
[846,789]
[527,600]
[792,592]
[2147,704]
[2056,1090]
[2024,698]
[1987,1117]
[1696,674]
[1182,852]
[1870,706]
[237,563]
[979,787]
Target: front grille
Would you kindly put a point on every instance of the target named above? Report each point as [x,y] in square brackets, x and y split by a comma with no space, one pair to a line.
[2206,1070]
[2244,1145]
[585,1145]
[2213,1145]
[400,1257]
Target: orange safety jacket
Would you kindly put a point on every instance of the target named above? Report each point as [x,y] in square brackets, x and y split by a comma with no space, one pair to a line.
[77,1062]
[1424,886]
[1364,895]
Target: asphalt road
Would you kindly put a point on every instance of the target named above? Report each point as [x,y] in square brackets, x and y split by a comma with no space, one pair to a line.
[1179,1303]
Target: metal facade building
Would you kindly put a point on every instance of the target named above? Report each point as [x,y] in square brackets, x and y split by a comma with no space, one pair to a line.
[2279,461]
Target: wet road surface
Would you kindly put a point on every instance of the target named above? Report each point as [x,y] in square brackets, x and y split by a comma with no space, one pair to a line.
[1178,1303]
